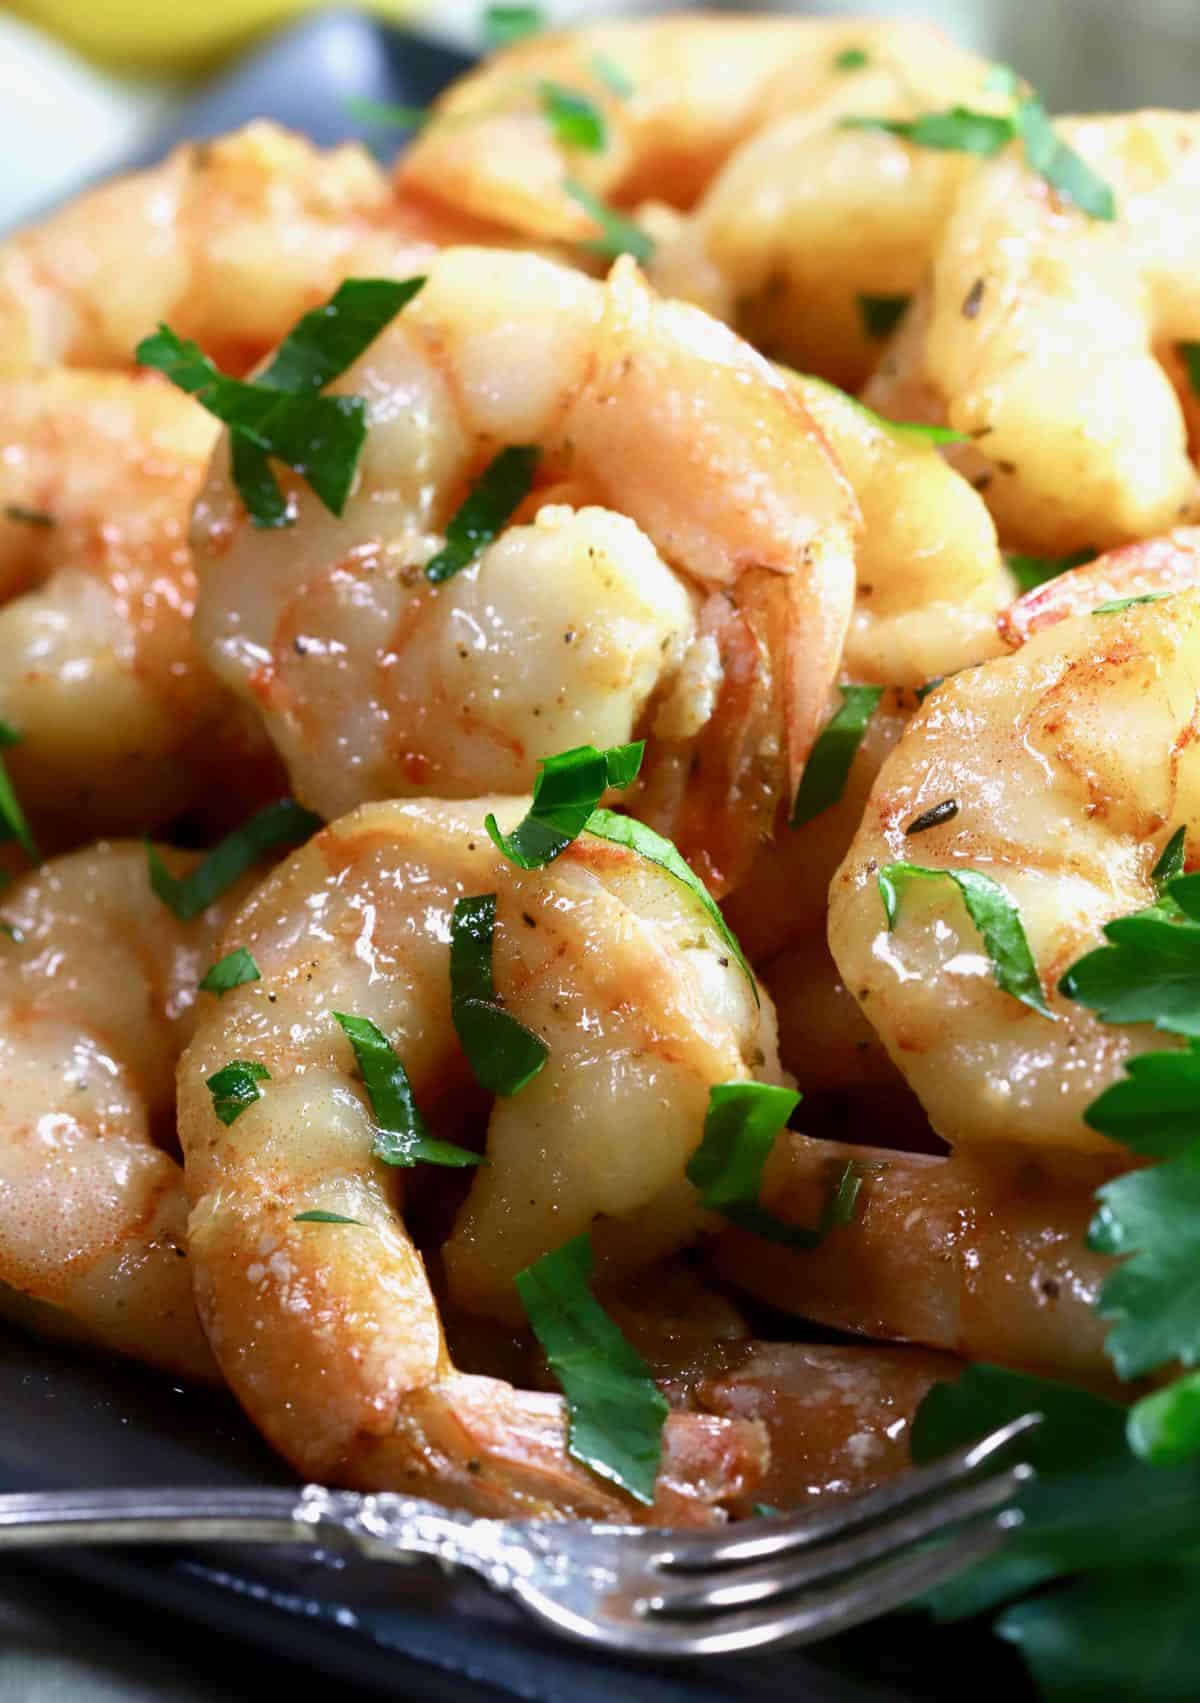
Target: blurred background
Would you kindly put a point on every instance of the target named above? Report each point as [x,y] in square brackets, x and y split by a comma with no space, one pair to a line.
[88,84]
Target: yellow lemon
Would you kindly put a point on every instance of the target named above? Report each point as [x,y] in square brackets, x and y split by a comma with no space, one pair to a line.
[181,35]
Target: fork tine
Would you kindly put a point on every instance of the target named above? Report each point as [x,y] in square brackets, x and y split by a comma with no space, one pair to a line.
[786,1573]
[836,1608]
[756,1540]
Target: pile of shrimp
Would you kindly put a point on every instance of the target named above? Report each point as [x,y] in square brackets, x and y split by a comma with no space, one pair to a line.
[732,527]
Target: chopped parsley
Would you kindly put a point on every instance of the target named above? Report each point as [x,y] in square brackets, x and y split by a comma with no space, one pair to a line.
[994,915]
[233,971]
[504,25]
[615,79]
[851,59]
[566,792]
[276,827]
[832,756]
[740,1129]
[28,517]
[1119,603]
[319,1216]
[881,315]
[575,118]
[915,430]
[401,1134]
[503,1054]
[234,1088]
[282,413]
[964,131]
[14,824]
[1172,860]
[498,492]
[617,235]
[1190,352]
[1032,571]
[616,1413]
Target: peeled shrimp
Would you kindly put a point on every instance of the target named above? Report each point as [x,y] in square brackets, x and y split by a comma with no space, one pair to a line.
[97,997]
[978,1254]
[1039,336]
[1071,762]
[685,564]
[230,241]
[97,669]
[329,1335]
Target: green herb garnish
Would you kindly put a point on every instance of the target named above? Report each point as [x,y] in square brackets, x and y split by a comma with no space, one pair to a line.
[504,25]
[281,413]
[28,517]
[1164,1428]
[1060,166]
[273,829]
[618,235]
[496,494]
[914,430]
[1171,862]
[1119,603]
[1150,970]
[14,824]
[851,59]
[994,915]
[235,1087]
[233,971]
[1032,571]
[319,1216]
[567,789]
[401,1134]
[503,1054]
[575,118]
[959,131]
[828,768]
[1152,1219]
[1191,360]
[616,1412]
[608,72]
[740,1129]
[881,315]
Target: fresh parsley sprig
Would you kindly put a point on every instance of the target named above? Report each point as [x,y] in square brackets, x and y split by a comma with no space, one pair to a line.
[503,1054]
[500,489]
[402,1136]
[566,792]
[234,970]
[832,756]
[274,828]
[994,914]
[234,1088]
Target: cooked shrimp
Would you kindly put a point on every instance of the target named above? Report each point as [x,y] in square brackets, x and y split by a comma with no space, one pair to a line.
[329,1335]
[974,1254]
[1151,568]
[230,241]
[98,673]
[697,87]
[375,683]
[1070,763]
[1039,337]
[97,997]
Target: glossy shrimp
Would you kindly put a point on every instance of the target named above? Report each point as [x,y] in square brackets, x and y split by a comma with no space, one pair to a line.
[229,240]
[98,993]
[684,564]
[982,1254]
[98,674]
[1068,764]
[1154,567]
[329,1334]
[1078,434]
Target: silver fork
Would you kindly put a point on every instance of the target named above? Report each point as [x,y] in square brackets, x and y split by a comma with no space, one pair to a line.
[789,1579]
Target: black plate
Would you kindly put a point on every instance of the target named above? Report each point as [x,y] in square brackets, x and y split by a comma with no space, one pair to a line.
[74,1421]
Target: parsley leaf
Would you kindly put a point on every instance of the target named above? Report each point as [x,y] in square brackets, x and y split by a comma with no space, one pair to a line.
[851,59]
[401,1136]
[28,517]
[628,831]
[1164,1428]
[281,413]
[1119,603]
[616,1412]
[1191,360]
[319,1216]
[1060,166]
[504,25]
[959,131]
[994,915]
[496,494]
[503,1054]
[233,971]
[1155,1109]
[881,315]
[740,1127]
[1150,970]
[272,829]
[13,822]
[235,1087]
[1032,571]
[617,235]
[915,431]
[1171,863]
[828,768]
[575,118]
[567,789]
[1153,1218]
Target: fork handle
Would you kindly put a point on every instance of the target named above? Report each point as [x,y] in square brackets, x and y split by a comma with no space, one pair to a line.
[312,1517]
